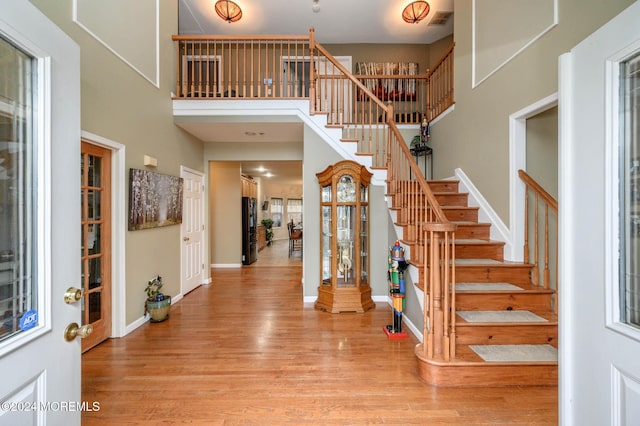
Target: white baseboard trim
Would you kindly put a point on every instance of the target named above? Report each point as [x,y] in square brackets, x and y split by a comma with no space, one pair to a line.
[499,231]
[411,326]
[134,325]
[206,281]
[226,265]
[145,318]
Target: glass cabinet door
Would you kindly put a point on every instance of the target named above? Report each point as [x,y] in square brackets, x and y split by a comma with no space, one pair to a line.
[346,233]
[327,238]
[364,245]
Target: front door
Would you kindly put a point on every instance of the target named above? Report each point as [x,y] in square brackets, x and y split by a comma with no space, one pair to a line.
[95,172]
[39,220]
[192,230]
[599,290]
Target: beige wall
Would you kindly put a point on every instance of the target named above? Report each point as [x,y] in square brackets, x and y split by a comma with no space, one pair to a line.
[542,150]
[225,213]
[475,136]
[120,105]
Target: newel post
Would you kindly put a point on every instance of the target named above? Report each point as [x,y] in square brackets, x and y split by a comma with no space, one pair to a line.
[440,269]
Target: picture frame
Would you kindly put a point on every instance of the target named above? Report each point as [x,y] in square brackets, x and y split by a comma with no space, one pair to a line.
[155,199]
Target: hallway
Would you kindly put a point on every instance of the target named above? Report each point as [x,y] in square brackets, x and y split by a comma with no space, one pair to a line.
[246,350]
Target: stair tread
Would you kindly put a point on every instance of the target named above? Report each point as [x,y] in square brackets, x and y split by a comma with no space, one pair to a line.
[466,356]
[550,318]
[499,287]
[477,241]
[485,262]
[516,353]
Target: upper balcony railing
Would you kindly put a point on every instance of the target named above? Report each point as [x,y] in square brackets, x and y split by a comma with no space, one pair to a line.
[279,67]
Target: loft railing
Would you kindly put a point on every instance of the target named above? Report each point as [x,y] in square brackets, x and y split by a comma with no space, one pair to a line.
[287,67]
[544,226]
[278,67]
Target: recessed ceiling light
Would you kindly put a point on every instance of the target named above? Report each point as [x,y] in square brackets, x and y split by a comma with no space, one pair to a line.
[268,175]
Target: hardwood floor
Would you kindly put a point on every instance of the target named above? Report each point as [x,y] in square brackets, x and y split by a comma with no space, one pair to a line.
[246,350]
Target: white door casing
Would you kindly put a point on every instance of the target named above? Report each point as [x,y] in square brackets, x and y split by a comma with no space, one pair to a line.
[41,371]
[192,230]
[598,359]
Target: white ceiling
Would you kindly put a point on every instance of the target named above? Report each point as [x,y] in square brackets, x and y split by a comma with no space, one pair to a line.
[337,21]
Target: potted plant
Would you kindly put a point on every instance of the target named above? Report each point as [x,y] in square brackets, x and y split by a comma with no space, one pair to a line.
[268,224]
[157,303]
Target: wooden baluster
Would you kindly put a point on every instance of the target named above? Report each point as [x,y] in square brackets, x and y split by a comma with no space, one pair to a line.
[526,225]
[193,66]
[547,276]
[197,64]
[447,296]
[312,73]
[535,271]
[429,284]
[218,71]
[425,303]
[451,264]
[179,92]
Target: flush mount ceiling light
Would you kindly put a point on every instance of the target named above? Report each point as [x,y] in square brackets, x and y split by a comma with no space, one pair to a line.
[316,6]
[415,12]
[228,10]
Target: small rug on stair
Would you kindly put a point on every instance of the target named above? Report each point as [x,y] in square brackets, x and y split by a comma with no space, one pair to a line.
[486,286]
[500,316]
[516,353]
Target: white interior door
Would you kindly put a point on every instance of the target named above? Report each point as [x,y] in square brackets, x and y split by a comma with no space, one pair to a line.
[40,217]
[599,174]
[192,229]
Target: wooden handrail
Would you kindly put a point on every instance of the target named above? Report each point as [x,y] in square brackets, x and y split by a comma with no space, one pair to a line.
[548,203]
[222,37]
[350,76]
[441,60]
[546,197]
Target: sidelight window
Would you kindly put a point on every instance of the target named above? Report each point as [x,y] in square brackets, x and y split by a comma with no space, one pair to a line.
[629,291]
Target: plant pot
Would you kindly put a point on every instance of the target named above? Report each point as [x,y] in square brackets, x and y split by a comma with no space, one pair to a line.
[159,310]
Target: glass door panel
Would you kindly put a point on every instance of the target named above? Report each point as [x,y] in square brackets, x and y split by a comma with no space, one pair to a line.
[18,280]
[630,209]
[96,247]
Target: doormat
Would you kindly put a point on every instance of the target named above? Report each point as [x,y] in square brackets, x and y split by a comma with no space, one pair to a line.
[487,287]
[500,316]
[516,353]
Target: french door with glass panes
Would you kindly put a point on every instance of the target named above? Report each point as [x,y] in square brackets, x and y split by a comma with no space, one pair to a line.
[96,242]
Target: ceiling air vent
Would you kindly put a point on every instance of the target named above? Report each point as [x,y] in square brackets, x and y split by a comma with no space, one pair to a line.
[440,18]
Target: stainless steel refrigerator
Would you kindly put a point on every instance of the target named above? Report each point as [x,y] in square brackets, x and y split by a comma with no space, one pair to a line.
[249,231]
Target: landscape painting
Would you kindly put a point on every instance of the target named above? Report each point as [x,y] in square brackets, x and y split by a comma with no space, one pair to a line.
[154,199]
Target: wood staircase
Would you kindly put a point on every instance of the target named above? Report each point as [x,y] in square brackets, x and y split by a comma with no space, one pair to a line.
[488,286]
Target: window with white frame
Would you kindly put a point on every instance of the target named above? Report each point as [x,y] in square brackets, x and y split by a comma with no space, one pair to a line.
[294,211]
[276,212]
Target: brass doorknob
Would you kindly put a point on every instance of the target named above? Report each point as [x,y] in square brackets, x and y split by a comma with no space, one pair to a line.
[185,239]
[72,295]
[73,330]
